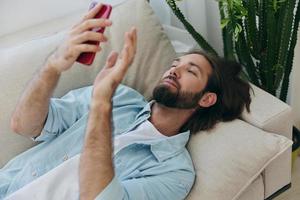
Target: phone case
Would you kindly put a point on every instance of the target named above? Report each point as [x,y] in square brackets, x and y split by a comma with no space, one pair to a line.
[87,58]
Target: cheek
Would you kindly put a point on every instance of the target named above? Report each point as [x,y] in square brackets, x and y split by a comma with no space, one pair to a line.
[192,84]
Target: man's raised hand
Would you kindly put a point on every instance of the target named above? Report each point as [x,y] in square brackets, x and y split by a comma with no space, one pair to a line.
[115,68]
[66,54]
[96,164]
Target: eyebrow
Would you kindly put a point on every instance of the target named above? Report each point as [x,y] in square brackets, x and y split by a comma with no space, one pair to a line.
[192,64]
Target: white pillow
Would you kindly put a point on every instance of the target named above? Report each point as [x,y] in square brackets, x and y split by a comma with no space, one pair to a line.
[231,156]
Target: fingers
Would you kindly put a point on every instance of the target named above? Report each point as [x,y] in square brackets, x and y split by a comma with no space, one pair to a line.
[82,33]
[92,12]
[89,36]
[125,48]
[87,48]
[125,56]
[130,44]
[133,37]
[91,24]
[133,40]
[134,33]
[111,60]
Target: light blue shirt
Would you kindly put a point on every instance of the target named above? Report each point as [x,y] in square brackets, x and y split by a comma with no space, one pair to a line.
[158,169]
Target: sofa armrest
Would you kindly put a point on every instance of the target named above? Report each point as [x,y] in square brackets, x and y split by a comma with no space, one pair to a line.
[272,115]
[269,113]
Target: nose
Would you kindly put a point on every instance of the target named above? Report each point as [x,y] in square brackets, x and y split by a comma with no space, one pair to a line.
[175,72]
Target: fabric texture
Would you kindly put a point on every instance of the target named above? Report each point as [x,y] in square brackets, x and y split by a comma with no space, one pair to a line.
[19,64]
[144,132]
[228,162]
[255,191]
[47,186]
[270,117]
[162,165]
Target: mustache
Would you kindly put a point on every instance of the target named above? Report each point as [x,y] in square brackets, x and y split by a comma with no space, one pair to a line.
[173,78]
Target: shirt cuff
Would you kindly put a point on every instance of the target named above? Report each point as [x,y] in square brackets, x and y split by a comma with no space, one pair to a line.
[113,191]
[47,132]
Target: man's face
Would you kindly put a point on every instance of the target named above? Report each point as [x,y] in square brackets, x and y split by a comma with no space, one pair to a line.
[183,84]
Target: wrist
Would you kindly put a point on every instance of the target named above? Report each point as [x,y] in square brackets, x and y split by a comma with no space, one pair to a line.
[50,66]
[103,106]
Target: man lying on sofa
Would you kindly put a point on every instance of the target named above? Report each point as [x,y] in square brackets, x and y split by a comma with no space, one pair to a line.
[130,148]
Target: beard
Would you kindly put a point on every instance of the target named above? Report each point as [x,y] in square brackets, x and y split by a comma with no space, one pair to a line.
[180,99]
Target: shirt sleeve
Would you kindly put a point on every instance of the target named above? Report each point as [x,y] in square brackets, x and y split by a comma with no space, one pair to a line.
[64,112]
[170,186]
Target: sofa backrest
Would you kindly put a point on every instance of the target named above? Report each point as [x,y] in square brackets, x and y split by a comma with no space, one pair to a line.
[19,64]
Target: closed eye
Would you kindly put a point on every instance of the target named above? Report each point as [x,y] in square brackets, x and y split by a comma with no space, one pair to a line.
[190,71]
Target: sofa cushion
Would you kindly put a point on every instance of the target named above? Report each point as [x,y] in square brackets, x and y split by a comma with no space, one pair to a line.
[255,191]
[19,64]
[268,116]
[230,157]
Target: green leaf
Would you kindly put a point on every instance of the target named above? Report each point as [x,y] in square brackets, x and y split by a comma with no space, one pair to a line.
[277,4]
[278,75]
[224,22]
[197,36]
[238,29]
[290,57]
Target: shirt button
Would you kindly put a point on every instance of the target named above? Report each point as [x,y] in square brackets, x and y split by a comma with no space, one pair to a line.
[65,157]
[34,174]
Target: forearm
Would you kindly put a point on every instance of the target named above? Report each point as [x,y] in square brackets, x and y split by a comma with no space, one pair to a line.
[31,110]
[96,165]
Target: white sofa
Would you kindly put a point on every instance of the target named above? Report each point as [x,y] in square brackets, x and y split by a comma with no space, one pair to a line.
[25,44]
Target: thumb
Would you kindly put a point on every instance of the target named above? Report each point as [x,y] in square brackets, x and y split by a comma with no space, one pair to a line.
[111,59]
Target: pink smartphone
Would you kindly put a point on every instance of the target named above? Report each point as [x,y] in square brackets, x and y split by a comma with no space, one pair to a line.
[87,58]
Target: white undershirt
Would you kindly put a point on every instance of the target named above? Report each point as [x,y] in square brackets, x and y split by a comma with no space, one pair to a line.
[144,132]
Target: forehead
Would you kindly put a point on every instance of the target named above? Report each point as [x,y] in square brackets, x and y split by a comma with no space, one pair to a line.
[199,60]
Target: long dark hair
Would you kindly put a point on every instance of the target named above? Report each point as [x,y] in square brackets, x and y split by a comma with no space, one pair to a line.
[233,95]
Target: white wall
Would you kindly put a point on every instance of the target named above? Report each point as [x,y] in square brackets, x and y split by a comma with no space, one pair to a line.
[193,10]
[295,85]
[214,33]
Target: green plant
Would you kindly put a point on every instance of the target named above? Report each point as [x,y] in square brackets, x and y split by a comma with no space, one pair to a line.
[260,34]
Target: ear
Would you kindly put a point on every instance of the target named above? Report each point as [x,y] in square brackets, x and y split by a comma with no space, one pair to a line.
[208,99]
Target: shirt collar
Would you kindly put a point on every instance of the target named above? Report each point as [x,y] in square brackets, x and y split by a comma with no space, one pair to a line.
[170,146]
[167,147]
[146,109]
